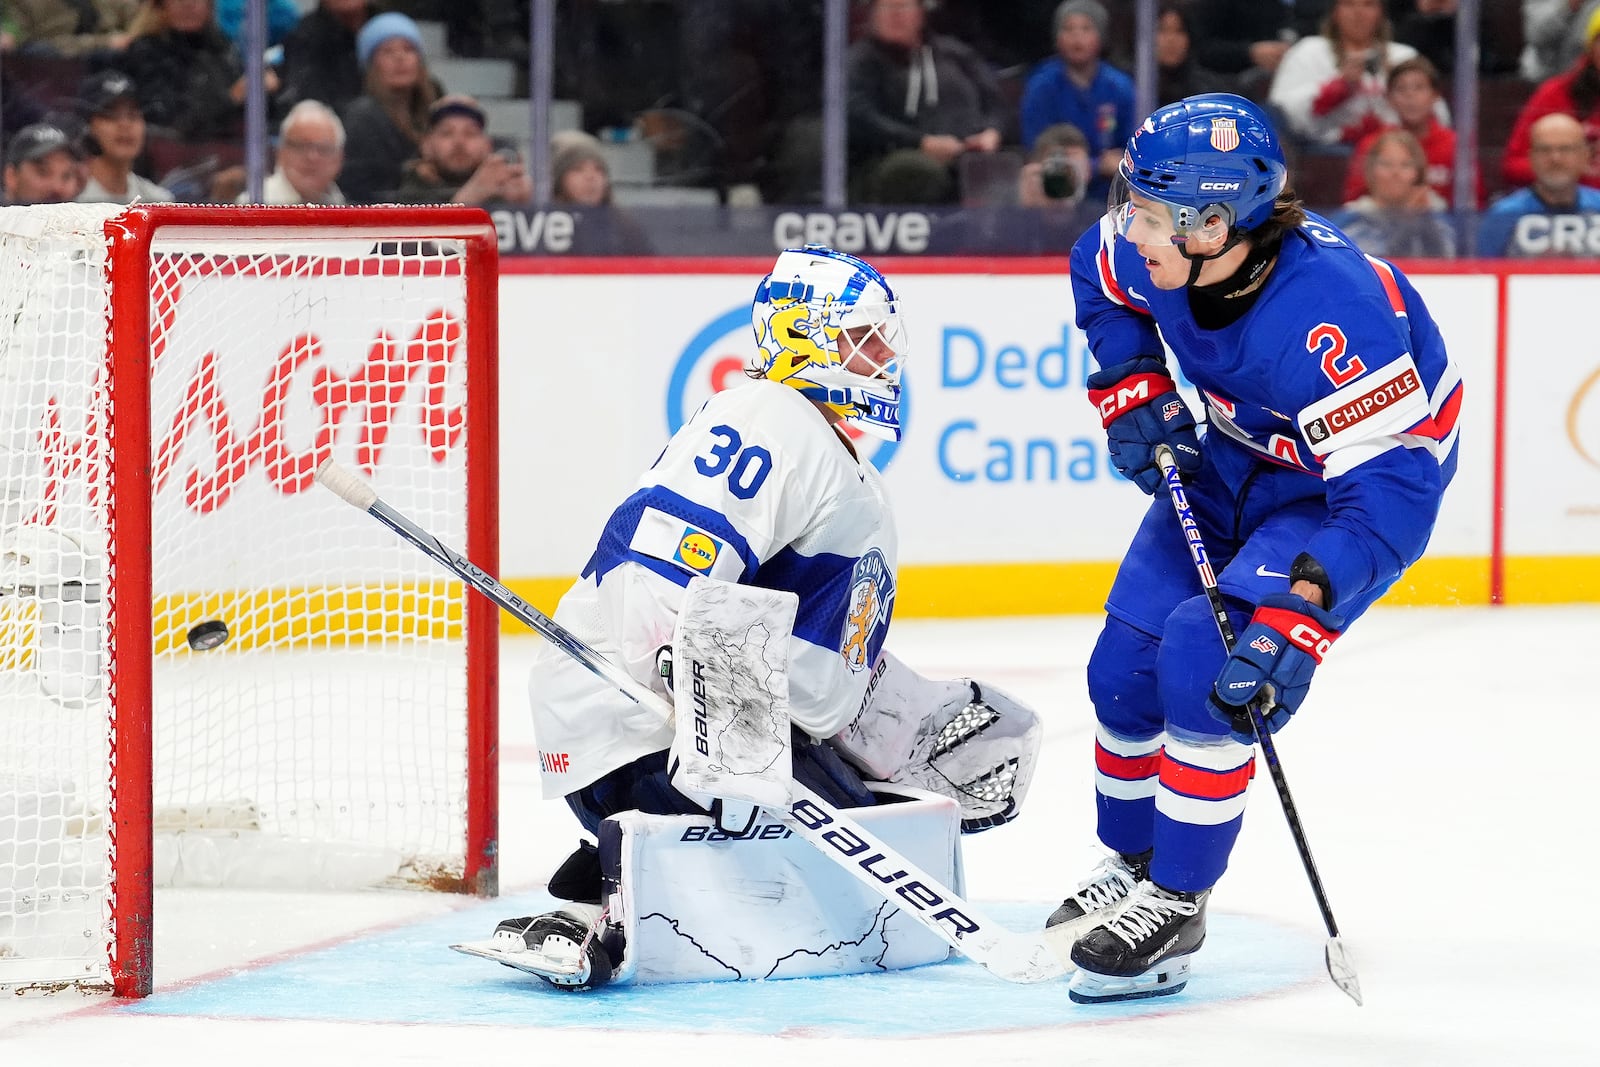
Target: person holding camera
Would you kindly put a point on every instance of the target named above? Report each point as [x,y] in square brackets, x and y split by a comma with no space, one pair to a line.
[1330,87]
[459,163]
[1047,211]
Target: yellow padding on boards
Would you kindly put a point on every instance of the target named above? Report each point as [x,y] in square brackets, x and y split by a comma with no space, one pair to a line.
[1552,579]
[318,617]
[980,590]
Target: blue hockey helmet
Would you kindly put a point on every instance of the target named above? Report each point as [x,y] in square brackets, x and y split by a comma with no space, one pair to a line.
[1209,155]
[829,325]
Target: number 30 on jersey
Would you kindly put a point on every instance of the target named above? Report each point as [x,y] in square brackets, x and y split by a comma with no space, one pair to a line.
[746,467]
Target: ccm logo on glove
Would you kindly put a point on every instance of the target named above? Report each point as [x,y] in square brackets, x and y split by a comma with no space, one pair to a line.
[1131,393]
[1293,625]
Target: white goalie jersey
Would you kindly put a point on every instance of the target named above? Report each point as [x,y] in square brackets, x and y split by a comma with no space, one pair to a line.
[758,489]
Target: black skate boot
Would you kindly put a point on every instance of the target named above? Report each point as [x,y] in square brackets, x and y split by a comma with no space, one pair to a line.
[573,949]
[1096,900]
[1144,951]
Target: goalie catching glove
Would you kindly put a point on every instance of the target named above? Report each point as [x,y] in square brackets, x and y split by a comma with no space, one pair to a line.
[962,739]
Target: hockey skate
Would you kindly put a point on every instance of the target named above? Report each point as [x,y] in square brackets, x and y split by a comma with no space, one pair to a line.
[1097,900]
[573,949]
[1144,951]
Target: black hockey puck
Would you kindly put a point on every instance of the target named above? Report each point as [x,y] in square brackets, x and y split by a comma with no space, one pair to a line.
[205,636]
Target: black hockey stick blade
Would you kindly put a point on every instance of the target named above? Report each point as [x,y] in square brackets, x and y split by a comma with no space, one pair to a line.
[1342,970]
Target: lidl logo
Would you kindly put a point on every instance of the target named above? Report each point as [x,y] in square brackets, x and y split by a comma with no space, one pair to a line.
[715,359]
[698,551]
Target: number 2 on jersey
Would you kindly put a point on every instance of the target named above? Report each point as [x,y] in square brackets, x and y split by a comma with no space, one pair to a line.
[1329,341]
[747,467]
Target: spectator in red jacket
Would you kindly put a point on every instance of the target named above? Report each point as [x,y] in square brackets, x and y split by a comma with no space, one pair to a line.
[1575,93]
[1413,93]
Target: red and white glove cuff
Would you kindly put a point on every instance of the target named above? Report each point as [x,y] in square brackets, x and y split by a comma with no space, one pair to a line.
[1134,391]
[1299,630]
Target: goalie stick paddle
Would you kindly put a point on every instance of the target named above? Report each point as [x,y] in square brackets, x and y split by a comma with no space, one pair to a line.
[1340,967]
[882,869]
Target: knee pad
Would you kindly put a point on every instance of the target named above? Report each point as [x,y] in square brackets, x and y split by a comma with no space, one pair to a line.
[1191,656]
[1122,681]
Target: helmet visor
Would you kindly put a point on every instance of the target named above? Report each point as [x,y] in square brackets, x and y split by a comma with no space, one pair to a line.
[1146,220]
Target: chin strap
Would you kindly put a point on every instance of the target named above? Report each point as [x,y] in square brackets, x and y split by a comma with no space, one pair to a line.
[1197,263]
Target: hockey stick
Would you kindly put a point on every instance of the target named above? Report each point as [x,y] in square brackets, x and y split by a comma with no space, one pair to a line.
[1340,968]
[873,863]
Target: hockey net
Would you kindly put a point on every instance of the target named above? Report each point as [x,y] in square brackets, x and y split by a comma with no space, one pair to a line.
[170,378]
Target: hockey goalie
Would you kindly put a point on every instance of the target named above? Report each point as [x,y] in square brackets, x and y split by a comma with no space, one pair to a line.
[749,579]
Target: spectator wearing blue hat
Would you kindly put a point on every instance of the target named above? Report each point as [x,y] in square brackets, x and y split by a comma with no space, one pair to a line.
[385,125]
[319,57]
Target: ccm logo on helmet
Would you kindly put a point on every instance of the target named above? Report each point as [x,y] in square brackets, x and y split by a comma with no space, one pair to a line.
[1220,187]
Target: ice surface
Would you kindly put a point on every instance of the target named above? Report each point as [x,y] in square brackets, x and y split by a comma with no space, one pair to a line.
[1439,768]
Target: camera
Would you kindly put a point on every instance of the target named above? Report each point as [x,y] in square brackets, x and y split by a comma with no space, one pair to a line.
[1059,178]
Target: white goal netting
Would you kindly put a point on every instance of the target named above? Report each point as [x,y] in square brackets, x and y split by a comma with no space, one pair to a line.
[324,741]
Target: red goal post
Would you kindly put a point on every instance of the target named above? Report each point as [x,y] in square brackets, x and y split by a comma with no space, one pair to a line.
[170,379]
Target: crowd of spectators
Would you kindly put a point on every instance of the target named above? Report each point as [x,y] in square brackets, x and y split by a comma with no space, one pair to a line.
[948,104]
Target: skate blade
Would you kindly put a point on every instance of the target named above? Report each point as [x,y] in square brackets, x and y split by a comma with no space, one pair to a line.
[563,968]
[1162,980]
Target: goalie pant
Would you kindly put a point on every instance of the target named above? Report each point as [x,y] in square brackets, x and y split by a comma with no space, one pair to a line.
[645,785]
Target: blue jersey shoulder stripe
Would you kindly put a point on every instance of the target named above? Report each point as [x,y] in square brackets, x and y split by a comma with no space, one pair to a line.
[616,539]
[823,585]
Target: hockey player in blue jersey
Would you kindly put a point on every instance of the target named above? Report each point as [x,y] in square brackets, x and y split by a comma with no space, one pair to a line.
[1331,408]
[761,488]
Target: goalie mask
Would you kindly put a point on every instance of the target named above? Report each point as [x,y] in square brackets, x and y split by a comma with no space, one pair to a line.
[828,324]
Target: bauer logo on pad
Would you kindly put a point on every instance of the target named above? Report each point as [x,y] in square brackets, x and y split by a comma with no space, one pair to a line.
[697,550]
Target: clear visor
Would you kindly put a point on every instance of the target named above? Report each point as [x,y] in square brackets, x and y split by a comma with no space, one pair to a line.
[1144,220]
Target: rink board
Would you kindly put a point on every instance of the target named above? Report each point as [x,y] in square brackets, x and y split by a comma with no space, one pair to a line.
[407,975]
[1006,501]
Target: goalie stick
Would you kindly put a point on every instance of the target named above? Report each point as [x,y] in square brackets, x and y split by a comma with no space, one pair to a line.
[1004,953]
[1340,967]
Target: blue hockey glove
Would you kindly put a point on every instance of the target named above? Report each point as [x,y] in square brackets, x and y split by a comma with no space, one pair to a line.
[1286,639]
[1140,408]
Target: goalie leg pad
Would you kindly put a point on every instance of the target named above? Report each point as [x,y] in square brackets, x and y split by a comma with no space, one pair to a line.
[697,904]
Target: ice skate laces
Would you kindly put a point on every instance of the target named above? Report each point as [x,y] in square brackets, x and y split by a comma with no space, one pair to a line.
[1110,882]
[1148,907]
